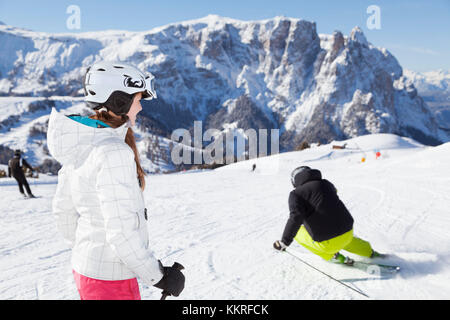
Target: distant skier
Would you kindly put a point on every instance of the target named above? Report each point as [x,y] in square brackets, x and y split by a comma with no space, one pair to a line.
[254,167]
[319,220]
[15,168]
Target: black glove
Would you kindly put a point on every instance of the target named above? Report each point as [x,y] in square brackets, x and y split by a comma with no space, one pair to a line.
[172,283]
[279,245]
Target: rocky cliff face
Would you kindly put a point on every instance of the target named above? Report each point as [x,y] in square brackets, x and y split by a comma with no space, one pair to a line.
[276,73]
[358,89]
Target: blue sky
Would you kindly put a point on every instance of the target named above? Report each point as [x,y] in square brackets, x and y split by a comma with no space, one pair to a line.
[417,32]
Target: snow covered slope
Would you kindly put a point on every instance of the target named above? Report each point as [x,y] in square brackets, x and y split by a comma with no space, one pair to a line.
[221,225]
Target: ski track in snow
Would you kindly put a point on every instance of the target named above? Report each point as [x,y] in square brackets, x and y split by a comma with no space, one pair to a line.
[221,225]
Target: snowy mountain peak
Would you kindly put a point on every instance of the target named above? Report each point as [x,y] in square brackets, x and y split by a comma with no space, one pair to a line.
[210,20]
[434,87]
[357,35]
[440,78]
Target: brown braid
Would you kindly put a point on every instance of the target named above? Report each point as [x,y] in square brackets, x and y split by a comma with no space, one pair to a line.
[115,122]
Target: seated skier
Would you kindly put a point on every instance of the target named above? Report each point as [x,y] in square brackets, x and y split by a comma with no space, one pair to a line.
[319,220]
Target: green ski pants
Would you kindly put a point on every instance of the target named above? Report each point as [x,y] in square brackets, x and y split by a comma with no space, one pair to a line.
[328,248]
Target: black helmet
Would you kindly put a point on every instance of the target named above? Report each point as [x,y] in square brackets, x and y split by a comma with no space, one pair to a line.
[297,171]
[17,152]
[304,174]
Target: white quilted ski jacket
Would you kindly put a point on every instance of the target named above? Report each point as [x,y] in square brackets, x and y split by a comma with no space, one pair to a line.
[98,204]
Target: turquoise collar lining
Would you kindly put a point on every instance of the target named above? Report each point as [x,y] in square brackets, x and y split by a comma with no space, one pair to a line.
[89,122]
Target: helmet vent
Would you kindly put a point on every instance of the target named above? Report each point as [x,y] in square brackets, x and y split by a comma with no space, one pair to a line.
[101,69]
[118,67]
[92,92]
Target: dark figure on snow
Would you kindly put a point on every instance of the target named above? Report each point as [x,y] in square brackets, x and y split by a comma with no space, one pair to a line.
[319,220]
[15,166]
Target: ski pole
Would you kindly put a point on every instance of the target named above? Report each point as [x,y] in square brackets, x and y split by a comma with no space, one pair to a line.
[164,295]
[338,281]
[177,266]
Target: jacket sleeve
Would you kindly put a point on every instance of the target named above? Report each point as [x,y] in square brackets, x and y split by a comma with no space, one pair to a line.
[63,207]
[116,182]
[331,185]
[297,213]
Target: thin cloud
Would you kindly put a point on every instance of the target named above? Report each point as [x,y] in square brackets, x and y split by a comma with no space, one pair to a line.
[420,50]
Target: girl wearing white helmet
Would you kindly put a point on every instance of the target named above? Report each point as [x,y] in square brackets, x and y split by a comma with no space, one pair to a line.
[99,203]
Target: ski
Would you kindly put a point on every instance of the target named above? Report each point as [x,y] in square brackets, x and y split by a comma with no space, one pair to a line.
[375,268]
[372,268]
[27,198]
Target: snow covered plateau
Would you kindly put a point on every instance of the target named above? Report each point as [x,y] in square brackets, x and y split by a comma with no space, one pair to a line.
[220,224]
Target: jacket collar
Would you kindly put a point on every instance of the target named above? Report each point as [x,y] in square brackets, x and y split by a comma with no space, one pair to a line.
[71,141]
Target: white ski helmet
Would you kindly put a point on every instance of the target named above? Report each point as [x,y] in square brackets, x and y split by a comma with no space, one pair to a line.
[113,85]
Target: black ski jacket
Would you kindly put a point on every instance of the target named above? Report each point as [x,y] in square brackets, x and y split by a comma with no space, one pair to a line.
[315,204]
[15,167]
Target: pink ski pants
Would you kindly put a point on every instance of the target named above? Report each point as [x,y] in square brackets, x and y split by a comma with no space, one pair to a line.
[94,289]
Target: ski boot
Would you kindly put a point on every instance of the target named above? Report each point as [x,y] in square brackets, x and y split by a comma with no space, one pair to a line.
[339,258]
[377,255]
